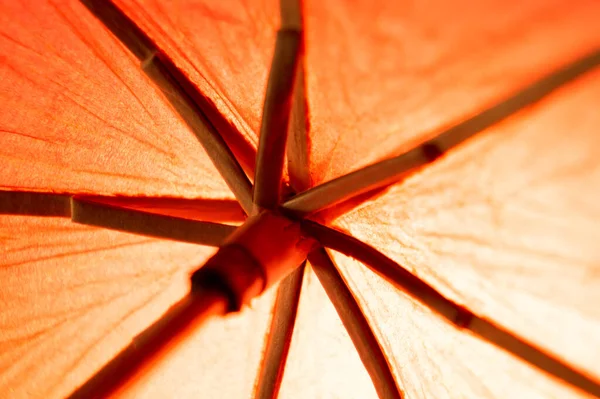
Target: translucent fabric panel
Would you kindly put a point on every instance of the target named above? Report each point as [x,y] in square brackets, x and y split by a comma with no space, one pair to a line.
[507,224]
[322,362]
[80,116]
[220,360]
[224,48]
[73,296]
[385,75]
[433,359]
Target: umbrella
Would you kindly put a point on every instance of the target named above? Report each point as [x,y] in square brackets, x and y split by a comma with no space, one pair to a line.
[433,234]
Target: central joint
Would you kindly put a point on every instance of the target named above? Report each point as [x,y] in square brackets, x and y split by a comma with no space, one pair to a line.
[261,252]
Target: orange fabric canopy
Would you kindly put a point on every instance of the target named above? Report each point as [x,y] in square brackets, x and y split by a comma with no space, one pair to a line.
[108,202]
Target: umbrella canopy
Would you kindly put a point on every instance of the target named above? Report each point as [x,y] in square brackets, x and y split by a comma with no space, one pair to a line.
[441,176]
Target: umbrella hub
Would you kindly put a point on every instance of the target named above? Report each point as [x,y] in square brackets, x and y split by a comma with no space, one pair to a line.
[266,248]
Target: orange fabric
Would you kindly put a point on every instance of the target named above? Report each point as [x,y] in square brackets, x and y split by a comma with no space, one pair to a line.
[218,361]
[507,224]
[72,296]
[433,359]
[224,48]
[322,361]
[80,116]
[382,76]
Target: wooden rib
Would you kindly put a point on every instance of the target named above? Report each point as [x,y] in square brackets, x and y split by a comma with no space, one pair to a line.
[85,211]
[164,75]
[213,143]
[461,317]
[206,210]
[153,343]
[391,170]
[275,119]
[142,47]
[279,338]
[285,309]
[122,27]
[34,204]
[338,292]
[297,148]
[356,324]
[290,12]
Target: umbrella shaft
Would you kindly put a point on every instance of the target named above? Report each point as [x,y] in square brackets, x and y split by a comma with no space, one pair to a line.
[257,255]
[149,347]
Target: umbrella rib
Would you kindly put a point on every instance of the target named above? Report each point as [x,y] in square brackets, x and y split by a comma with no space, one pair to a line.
[34,204]
[454,313]
[279,338]
[391,170]
[122,27]
[165,75]
[356,324]
[202,209]
[275,118]
[297,146]
[288,295]
[285,308]
[89,212]
[213,143]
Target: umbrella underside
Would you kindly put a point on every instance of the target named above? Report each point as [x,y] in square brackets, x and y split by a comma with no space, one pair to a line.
[481,233]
